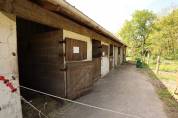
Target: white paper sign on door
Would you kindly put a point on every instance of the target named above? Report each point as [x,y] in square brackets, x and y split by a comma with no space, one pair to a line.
[76,49]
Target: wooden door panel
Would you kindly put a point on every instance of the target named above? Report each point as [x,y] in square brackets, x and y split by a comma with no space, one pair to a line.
[71,55]
[45,63]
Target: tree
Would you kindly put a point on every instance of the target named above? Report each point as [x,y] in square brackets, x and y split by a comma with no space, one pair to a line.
[136,31]
[164,37]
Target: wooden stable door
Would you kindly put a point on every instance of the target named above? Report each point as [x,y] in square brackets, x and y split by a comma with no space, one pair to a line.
[45,63]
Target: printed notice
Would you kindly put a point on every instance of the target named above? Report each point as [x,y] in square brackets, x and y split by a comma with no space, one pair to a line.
[76,49]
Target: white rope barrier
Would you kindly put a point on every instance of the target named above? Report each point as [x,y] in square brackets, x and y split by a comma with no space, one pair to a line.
[40,112]
[83,104]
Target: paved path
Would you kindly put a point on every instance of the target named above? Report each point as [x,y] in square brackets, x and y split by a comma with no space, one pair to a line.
[125,90]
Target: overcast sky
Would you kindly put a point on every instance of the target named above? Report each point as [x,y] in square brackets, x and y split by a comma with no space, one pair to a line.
[111,14]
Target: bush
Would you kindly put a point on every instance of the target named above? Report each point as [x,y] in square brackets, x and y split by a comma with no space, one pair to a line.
[139,63]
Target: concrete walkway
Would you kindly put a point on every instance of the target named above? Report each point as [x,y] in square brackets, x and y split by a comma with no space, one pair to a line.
[124,90]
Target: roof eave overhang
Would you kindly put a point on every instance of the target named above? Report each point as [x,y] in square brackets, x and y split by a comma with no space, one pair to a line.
[68,10]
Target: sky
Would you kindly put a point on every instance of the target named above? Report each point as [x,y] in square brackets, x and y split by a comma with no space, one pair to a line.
[111,14]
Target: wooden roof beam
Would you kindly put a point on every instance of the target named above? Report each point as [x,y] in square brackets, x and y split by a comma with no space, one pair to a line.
[31,11]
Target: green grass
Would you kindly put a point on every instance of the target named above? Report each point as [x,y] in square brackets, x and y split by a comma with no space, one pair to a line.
[129,58]
[167,77]
[168,68]
[166,65]
[152,66]
[164,95]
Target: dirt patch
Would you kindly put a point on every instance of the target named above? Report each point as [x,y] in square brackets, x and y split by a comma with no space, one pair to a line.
[45,104]
[170,103]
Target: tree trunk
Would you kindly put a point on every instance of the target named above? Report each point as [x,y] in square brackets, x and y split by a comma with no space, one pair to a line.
[157,64]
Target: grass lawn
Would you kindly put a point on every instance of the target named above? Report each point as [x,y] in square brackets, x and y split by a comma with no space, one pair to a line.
[164,95]
[166,65]
[167,76]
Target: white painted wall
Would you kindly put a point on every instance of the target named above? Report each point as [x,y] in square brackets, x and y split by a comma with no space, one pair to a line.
[121,55]
[113,63]
[104,66]
[115,56]
[105,63]
[69,34]
[9,102]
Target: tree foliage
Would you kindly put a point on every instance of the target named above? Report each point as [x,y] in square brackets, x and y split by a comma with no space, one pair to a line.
[136,31]
[147,33]
[164,37]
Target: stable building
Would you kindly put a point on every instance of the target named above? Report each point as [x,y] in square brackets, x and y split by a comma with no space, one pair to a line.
[49,45]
